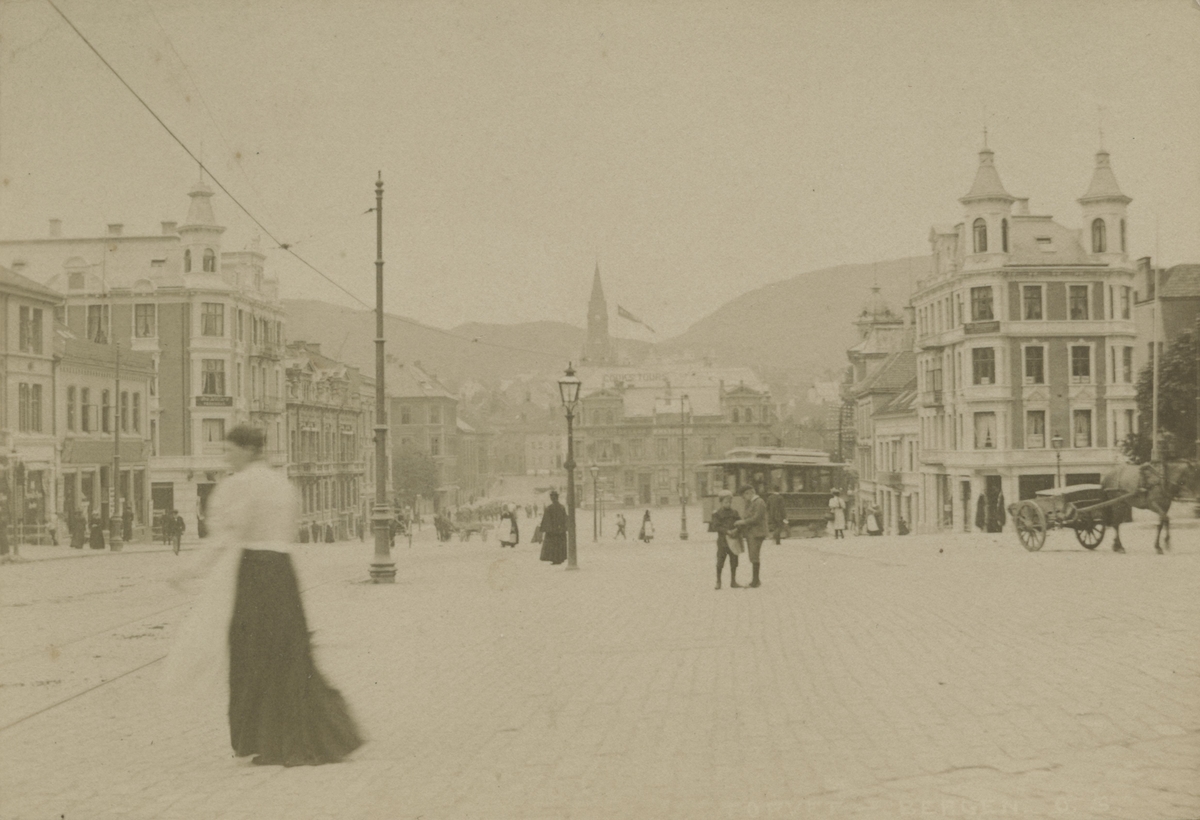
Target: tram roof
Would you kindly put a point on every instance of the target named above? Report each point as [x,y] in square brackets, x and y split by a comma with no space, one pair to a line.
[774,457]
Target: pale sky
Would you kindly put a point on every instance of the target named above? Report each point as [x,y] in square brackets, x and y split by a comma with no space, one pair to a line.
[698,150]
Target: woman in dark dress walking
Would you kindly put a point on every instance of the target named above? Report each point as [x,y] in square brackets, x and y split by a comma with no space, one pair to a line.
[554,531]
[281,710]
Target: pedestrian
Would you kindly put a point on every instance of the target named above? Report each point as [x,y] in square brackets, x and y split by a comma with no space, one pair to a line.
[127,523]
[621,526]
[510,535]
[729,545]
[874,521]
[837,514]
[78,527]
[776,512]
[554,531]
[280,708]
[901,526]
[96,532]
[754,528]
[177,525]
[646,533]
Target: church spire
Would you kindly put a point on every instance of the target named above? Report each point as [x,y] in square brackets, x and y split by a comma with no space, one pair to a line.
[598,349]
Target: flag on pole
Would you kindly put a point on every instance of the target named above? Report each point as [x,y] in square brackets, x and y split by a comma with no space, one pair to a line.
[624,314]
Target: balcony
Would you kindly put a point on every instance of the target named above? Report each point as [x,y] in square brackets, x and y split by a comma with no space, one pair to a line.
[265,404]
[266,350]
[976,328]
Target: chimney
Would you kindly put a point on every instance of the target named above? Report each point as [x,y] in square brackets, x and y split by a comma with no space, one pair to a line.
[55,228]
[1022,206]
[115,228]
[168,228]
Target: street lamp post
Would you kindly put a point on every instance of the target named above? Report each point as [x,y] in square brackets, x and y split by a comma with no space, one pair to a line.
[595,471]
[383,568]
[683,533]
[568,390]
[1057,441]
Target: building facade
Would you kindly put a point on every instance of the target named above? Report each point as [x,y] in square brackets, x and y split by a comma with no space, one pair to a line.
[423,418]
[210,320]
[329,420]
[1025,341]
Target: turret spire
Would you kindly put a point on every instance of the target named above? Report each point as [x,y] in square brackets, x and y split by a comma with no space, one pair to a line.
[987,183]
[1104,183]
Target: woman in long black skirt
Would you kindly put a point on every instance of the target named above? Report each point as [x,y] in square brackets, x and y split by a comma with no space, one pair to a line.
[281,710]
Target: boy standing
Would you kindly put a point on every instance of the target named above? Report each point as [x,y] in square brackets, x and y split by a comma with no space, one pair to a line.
[723,523]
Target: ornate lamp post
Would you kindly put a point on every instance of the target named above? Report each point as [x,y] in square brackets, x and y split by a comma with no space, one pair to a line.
[1057,441]
[595,471]
[383,569]
[568,391]
[683,493]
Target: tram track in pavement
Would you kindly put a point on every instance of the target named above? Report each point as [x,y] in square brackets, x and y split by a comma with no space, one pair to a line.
[127,672]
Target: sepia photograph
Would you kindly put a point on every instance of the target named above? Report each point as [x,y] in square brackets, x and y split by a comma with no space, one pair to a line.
[599,409]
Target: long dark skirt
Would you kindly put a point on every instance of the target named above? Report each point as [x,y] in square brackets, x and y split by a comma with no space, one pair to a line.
[280,707]
[554,547]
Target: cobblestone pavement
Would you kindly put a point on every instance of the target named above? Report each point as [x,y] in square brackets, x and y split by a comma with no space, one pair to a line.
[940,676]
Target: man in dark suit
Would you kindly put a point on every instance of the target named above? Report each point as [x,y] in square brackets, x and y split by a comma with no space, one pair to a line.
[753,527]
[776,513]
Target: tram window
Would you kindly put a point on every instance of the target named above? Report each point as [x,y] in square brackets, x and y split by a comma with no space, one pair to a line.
[824,482]
[797,477]
[776,479]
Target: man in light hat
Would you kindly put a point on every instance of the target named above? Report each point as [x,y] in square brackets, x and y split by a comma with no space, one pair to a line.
[837,514]
[724,524]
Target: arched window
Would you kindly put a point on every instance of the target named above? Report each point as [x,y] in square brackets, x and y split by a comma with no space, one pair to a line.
[1004,235]
[1122,236]
[737,416]
[187,261]
[980,230]
[1099,239]
[210,261]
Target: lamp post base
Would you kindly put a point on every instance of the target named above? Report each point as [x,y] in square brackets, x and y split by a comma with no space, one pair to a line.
[383,573]
[114,541]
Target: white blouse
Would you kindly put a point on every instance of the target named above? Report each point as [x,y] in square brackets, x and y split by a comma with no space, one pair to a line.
[255,508]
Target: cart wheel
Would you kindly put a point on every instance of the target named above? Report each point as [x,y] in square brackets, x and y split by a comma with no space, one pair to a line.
[1089,531]
[1031,525]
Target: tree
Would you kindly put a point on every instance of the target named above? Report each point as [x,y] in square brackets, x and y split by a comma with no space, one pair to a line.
[413,474]
[1176,404]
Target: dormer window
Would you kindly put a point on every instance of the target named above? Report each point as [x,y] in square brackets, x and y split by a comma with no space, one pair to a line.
[1099,236]
[1004,235]
[210,261]
[187,260]
[980,232]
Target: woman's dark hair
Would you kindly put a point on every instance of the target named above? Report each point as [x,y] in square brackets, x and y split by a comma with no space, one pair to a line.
[252,438]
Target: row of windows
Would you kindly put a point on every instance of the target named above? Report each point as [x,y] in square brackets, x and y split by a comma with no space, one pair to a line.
[986,435]
[979,235]
[329,494]
[739,415]
[89,418]
[948,312]
[208,260]
[983,366]
[212,379]
[311,444]
[212,323]
[414,415]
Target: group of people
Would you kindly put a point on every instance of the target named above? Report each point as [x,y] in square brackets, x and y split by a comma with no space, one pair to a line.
[738,535]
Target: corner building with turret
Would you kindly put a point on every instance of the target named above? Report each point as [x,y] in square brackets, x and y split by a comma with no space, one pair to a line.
[1025,342]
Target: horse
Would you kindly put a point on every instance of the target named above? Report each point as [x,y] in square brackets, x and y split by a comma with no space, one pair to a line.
[1146,490]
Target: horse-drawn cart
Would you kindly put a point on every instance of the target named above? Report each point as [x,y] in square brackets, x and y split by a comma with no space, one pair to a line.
[1082,507]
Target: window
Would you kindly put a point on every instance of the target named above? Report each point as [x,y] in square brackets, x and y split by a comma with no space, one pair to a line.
[1035,428]
[97,323]
[1126,299]
[1081,364]
[187,261]
[1035,364]
[210,261]
[213,431]
[435,414]
[662,448]
[985,431]
[749,417]
[737,415]
[1079,301]
[1004,235]
[1099,238]
[212,319]
[710,446]
[981,304]
[241,325]
[435,446]
[137,413]
[980,231]
[75,280]
[105,412]
[1122,236]
[71,409]
[1130,422]
[29,408]
[237,379]
[212,377]
[983,365]
[144,321]
[124,411]
[85,410]
[1082,428]
[1127,365]
[31,330]
[1032,302]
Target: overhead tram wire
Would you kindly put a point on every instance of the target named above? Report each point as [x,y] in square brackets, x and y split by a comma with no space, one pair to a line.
[285,246]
